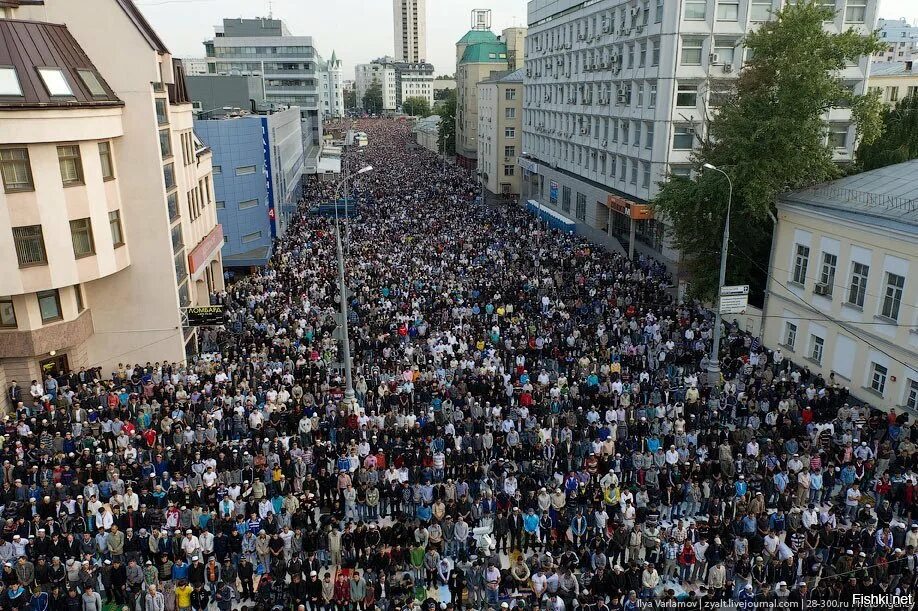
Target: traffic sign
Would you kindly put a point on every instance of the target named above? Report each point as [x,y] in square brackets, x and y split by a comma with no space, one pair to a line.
[734,299]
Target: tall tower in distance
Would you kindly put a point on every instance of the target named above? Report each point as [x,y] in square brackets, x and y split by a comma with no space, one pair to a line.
[410,20]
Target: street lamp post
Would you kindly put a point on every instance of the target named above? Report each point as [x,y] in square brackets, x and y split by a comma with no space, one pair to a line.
[349,403]
[714,359]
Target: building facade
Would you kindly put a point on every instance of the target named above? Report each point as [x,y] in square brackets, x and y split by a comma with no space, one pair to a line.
[409,18]
[107,194]
[414,80]
[480,54]
[893,80]
[194,65]
[843,283]
[334,70]
[500,116]
[427,132]
[295,73]
[379,71]
[900,39]
[258,180]
[616,95]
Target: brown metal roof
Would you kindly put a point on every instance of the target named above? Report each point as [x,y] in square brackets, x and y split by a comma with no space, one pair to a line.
[30,45]
[18,3]
[143,26]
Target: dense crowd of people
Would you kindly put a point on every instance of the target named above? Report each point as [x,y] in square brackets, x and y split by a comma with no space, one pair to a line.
[533,428]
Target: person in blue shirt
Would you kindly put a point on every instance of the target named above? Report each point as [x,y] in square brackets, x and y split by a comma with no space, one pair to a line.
[530,529]
[179,570]
[741,486]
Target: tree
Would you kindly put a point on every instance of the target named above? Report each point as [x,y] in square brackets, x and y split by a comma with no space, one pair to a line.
[769,136]
[350,98]
[441,94]
[416,107]
[372,99]
[446,139]
[898,141]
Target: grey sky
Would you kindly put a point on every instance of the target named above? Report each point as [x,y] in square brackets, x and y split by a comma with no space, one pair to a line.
[359,30]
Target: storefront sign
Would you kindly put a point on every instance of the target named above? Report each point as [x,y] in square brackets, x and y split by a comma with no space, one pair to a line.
[202,252]
[553,192]
[205,316]
[528,165]
[638,212]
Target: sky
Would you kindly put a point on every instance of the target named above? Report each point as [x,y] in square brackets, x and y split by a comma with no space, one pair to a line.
[359,30]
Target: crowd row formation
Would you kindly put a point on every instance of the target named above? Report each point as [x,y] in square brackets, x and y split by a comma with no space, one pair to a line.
[533,430]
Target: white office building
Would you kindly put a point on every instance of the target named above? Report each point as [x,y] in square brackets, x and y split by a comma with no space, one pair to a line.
[900,40]
[414,80]
[382,72]
[409,19]
[616,93]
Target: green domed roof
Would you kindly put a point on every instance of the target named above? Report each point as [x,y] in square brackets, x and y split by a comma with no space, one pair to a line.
[475,36]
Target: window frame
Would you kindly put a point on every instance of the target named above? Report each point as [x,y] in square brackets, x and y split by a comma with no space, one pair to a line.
[891,302]
[42,70]
[827,272]
[790,334]
[4,301]
[878,379]
[106,160]
[41,245]
[15,80]
[28,167]
[246,168]
[801,263]
[77,160]
[817,348]
[857,298]
[682,90]
[41,295]
[112,223]
[89,235]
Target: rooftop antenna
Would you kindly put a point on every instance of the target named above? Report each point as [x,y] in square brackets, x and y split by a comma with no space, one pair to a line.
[270,10]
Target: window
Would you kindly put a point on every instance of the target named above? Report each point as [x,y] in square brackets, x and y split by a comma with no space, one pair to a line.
[725,48]
[9,82]
[249,203]
[581,207]
[114,224]
[687,95]
[838,136]
[858,289]
[911,397]
[165,143]
[878,378]
[162,113]
[692,51]
[728,11]
[655,54]
[566,199]
[81,236]
[55,82]
[790,334]
[760,11]
[510,113]
[245,170]
[658,16]
[92,83]
[181,269]
[508,169]
[801,260]
[683,138]
[645,180]
[71,165]
[105,159]
[78,293]
[816,346]
[16,170]
[634,171]
[7,312]
[856,11]
[509,151]
[510,94]
[221,205]
[49,304]
[30,245]
[510,132]
[218,169]
[827,275]
[648,135]
[892,297]
[169,176]
[178,240]
[172,205]
[695,10]
[652,99]
[251,237]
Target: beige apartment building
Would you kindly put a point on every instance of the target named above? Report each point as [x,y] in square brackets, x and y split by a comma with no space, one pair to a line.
[480,54]
[893,80]
[500,131]
[107,216]
[842,296]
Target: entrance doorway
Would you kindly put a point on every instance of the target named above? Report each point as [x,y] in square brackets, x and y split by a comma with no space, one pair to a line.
[56,365]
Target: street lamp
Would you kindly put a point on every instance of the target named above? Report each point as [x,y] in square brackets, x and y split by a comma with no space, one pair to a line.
[349,402]
[714,359]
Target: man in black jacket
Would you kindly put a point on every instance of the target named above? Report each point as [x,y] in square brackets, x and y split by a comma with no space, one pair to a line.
[246,574]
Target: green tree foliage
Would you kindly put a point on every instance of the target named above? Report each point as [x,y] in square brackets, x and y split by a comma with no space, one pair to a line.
[350,98]
[446,140]
[770,136]
[372,99]
[898,140]
[416,107]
